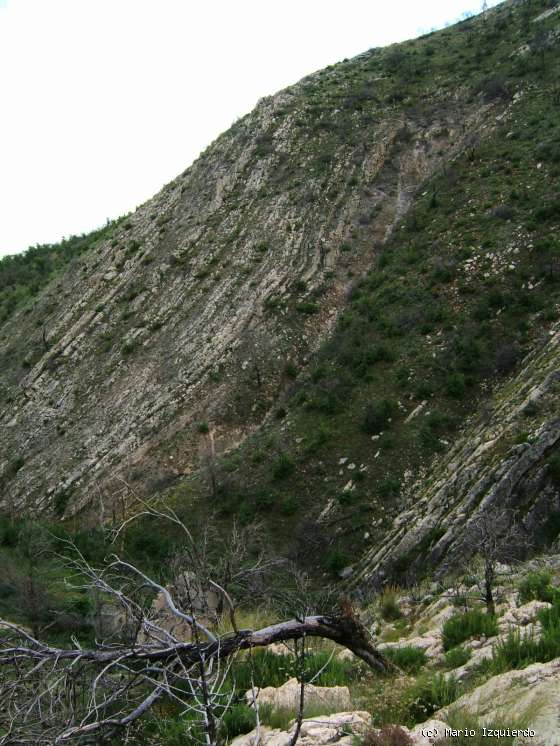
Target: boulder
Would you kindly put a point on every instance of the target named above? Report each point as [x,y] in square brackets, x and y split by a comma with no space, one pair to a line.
[430,643]
[340,728]
[533,692]
[286,697]
[524,614]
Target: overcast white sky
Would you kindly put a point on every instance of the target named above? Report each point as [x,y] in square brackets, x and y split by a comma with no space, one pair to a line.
[104,101]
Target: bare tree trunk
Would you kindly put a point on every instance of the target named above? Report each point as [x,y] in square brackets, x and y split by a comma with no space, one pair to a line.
[301,676]
[209,719]
[257,374]
[488,585]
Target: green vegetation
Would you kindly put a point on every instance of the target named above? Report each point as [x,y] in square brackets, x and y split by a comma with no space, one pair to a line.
[271,669]
[283,467]
[240,718]
[389,605]
[473,623]
[430,692]
[554,470]
[32,589]
[520,650]
[536,586]
[23,276]
[456,657]
[407,657]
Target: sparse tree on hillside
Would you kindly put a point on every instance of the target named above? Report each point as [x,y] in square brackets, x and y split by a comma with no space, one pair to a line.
[251,346]
[496,537]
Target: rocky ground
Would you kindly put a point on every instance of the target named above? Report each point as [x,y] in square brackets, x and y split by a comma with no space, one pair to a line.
[525,697]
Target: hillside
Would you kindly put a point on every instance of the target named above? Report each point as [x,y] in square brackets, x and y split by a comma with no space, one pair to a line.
[311,323]
[291,430]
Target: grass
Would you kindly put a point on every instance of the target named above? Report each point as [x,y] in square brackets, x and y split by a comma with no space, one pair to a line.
[457,657]
[520,650]
[400,628]
[404,699]
[389,605]
[411,659]
[283,718]
[473,623]
[269,669]
[430,692]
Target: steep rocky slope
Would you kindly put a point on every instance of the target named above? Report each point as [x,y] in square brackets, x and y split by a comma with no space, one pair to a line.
[502,461]
[239,262]
[371,257]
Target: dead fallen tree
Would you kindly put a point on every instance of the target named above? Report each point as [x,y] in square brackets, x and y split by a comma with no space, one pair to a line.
[54,695]
[343,628]
[124,682]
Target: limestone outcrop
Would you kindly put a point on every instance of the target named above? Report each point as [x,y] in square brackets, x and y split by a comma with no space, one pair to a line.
[340,728]
[531,693]
[486,468]
[286,697]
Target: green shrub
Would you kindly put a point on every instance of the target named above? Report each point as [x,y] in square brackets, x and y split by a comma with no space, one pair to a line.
[185,730]
[429,693]
[516,651]
[377,416]
[13,467]
[9,531]
[536,586]
[61,502]
[550,618]
[283,466]
[203,428]
[269,669]
[457,657]
[266,669]
[264,501]
[337,560]
[409,658]
[388,487]
[455,385]
[548,212]
[388,604]
[128,346]
[308,307]
[334,671]
[239,719]
[288,505]
[291,370]
[473,623]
